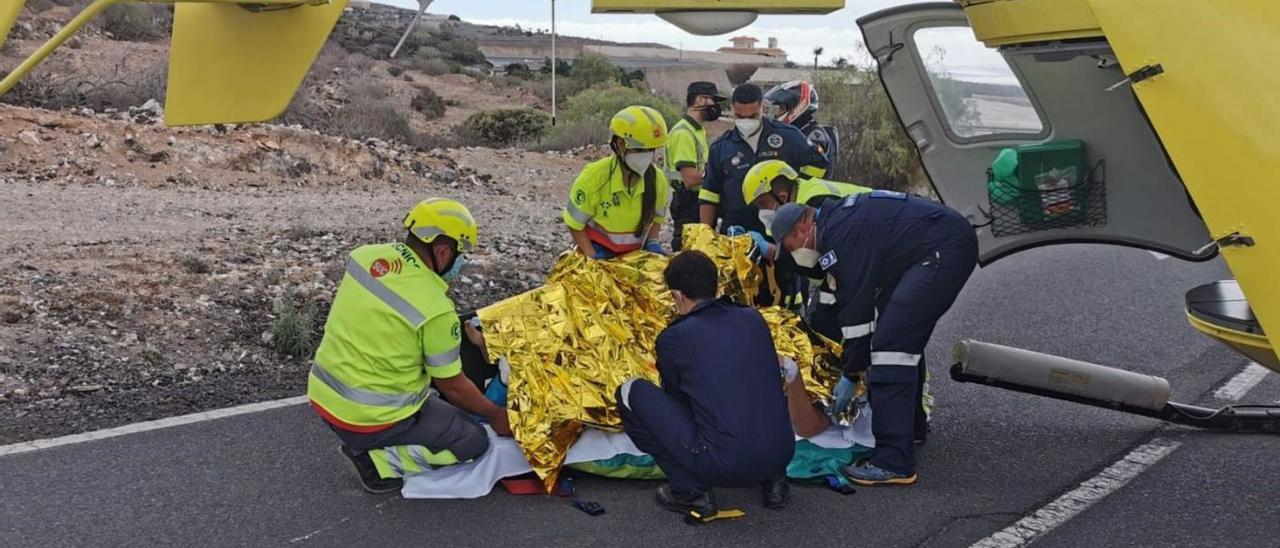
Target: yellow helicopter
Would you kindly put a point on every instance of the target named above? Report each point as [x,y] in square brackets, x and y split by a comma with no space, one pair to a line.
[1133,122]
[1144,123]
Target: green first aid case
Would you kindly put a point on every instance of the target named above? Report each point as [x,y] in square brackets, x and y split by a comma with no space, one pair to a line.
[1053,180]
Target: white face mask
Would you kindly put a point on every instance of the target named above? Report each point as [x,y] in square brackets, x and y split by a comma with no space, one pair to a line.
[766,217]
[748,126]
[805,257]
[639,162]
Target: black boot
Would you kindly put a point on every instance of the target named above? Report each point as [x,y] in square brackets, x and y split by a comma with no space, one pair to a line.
[777,493]
[368,475]
[702,502]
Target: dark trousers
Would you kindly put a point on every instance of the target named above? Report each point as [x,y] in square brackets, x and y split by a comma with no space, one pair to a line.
[664,428]
[912,309]
[684,210]
[438,426]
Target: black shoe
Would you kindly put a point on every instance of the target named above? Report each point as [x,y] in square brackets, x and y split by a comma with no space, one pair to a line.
[777,493]
[365,471]
[702,502]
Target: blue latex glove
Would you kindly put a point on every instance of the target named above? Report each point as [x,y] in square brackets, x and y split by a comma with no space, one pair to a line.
[653,246]
[843,396]
[735,230]
[765,247]
[496,392]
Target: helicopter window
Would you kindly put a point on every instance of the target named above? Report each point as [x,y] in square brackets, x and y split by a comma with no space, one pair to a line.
[973,87]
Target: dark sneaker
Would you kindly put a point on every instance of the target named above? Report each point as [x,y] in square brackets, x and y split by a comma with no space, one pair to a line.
[777,493]
[702,502]
[363,467]
[871,475]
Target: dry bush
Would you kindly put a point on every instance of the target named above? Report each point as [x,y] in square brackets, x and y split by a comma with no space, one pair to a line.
[569,135]
[56,87]
[137,23]
[426,102]
[741,73]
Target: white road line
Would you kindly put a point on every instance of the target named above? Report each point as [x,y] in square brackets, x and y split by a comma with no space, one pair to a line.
[1158,256]
[1242,383]
[1111,479]
[36,445]
[1067,506]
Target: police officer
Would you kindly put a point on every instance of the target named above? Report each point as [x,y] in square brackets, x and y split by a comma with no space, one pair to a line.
[686,155]
[753,139]
[391,335]
[796,103]
[618,204]
[919,254]
[720,417]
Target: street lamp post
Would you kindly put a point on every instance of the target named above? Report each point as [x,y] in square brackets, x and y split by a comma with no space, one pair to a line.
[553,62]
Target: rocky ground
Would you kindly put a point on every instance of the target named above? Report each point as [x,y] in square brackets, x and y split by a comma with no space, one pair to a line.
[142,268]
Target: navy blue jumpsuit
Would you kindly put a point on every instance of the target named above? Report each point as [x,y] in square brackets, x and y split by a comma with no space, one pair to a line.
[720,418]
[915,256]
[730,159]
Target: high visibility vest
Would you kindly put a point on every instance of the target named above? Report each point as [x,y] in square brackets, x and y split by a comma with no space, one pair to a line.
[369,369]
[808,189]
[601,205]
[686,144]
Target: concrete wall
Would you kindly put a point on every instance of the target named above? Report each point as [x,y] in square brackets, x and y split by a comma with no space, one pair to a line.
[676,55]
[673,82]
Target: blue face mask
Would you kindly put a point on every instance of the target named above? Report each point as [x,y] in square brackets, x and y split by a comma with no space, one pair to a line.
[455,269]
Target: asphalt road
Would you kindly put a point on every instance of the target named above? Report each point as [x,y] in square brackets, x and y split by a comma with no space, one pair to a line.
[275,478]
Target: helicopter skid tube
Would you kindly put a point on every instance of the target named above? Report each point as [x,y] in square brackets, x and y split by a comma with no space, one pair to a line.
[1099,386]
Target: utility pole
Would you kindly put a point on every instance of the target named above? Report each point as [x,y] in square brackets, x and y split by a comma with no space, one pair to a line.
[422,8]
[553,62]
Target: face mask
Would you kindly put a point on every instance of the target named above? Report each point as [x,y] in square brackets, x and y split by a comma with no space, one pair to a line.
[455,269]
[639,162]
[711,113]
[766,217]
[747,126]
[805,257]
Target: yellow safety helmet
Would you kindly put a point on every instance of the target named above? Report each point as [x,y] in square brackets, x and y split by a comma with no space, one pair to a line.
[759,180]
[442,217]
[643,128]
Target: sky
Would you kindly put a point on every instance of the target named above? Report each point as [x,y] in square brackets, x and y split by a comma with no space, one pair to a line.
[837,32]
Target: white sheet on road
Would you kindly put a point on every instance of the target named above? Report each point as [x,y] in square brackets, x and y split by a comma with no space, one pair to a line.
[504,459]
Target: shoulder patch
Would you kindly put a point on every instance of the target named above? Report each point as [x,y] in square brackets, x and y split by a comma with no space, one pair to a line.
[828,260]
[775,141]
[456,331]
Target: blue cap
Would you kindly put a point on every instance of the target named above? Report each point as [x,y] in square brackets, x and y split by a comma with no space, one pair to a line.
[785,220]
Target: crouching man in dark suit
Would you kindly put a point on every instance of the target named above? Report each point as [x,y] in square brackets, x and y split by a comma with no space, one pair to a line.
[720,417]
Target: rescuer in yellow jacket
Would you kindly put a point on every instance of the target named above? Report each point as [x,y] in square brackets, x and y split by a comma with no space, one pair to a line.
[685,160]
[391,335]
[772,183]
[618,204]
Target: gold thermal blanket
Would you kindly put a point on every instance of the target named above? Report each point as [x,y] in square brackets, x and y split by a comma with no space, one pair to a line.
[592,326]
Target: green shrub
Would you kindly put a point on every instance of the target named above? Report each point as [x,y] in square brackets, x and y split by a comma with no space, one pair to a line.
[874,150]
[431,66]
[591,69]
[293,329]
[506,127]
[600,103]
[194,264]
[519,70]
[570,135]
[135,23]
[430,105]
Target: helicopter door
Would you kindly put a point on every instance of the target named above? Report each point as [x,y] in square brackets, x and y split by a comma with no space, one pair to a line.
[1085,165]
